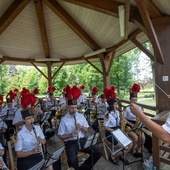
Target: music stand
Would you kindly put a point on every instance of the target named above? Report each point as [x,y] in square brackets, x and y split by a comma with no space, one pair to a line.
[54,157]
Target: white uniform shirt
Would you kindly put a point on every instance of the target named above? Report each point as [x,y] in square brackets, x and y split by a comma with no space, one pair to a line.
[2,124]
[92,105]
[81,99]
[102,107]
[113,120]
[9,112]
[67,125]
[63,103]
[129,115]
[52,104]
[1,147]
[166,126]
[18,117]
[27,140]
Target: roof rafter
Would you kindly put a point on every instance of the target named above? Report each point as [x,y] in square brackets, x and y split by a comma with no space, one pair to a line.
[59,10]
[109,7]
[150,29]
[127,14]
[143,48]
[41,20]
[11,13]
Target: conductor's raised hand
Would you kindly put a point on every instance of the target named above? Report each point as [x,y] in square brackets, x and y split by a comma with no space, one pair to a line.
[135,109]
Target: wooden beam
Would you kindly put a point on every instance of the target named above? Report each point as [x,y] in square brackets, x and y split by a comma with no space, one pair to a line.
[58,70]
[151,31]
[39,70]
[142,48]
[11,13]
[108,7]
[48,63]
[110,63]
[59,10]
[127,14]
[93,66]
[41,20]
[1,61]
[153,10]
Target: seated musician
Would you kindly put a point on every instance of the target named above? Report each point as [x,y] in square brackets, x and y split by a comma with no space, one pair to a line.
[102,106]
[30,138]
[111,123]
[51,103]
[71,129]
[8,113]
[63,102]
[2,163]
[82,100]
[137,137]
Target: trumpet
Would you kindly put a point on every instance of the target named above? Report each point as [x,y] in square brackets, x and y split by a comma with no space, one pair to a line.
[2,164]
[39,145]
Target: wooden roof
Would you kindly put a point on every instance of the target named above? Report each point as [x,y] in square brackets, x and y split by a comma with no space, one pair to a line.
[68,29]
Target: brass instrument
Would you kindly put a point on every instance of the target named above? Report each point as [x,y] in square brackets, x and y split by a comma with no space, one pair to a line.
[123,127]
[4,167]
[39,145]
[137,131]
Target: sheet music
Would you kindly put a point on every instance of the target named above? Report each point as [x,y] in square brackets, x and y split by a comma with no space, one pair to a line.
[38,165]
[91,140]
[121,137]
[55,156]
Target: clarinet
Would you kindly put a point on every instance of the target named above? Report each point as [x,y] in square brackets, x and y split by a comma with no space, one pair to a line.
[4,167]
[78,139]
[39,145]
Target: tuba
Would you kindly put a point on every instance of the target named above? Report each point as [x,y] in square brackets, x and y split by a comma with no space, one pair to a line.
[4,167]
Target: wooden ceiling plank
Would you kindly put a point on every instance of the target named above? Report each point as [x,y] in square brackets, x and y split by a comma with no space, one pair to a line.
[151,31]
[131,36]
[153,10]
[39,70]
[109,7]
[143,48]
[93,66]
[127,15]
[11,13]
[58,70]
[59,10]
[42,25]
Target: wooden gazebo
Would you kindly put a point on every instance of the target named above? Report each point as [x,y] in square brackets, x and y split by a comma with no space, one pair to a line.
[64,32]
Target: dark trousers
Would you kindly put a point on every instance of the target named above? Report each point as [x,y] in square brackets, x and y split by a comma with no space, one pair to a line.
[72,150]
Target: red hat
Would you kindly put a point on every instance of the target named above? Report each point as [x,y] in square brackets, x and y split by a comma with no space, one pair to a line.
[28,99]
[1,99]
[82,86]
[51,89]
[110,94]
[35,91]
[15,90]
[94,90]
[134,90]
[72,95]
[10,96]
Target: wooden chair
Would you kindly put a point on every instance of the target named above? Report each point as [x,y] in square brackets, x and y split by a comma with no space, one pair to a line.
[102,137]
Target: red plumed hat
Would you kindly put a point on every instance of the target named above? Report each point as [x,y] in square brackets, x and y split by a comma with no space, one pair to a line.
[28,99]
[94,90]
[73,94]
[15,90]
[134,90]
[110,94]
[35,91]
[24,91]
[10,96]
[67,88]
[51,88]
[82,86]
[1,99]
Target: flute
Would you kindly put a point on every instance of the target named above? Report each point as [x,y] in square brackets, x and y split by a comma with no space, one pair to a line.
[78,139]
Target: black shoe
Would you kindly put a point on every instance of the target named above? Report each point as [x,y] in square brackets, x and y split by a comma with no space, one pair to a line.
[125,161]
[113,161]
[140,155]
[135,154]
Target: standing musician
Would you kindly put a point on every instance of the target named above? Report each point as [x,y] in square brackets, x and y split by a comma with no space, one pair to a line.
[137,138]
[71,129]
[111,123]
[81,101]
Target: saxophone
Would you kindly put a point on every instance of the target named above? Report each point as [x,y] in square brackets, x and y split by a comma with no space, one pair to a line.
[123,127]
[137,131]
[4,167]
[39,145]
